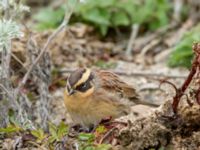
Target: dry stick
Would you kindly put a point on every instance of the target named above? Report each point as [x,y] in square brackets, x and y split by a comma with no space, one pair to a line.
[18,60]
[149,46]
[157,38]
[177,9]
[134,33]
[49,40]
[149,37]
[51,37]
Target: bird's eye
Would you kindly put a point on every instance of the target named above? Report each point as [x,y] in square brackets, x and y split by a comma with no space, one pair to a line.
[83,87]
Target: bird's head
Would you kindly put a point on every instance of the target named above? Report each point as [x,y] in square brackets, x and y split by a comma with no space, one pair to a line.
[79,83]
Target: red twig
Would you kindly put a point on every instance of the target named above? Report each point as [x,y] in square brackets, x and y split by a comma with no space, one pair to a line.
[195,66]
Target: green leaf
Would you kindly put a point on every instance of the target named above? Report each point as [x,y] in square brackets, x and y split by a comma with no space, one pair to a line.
[115,13]
[105,65]
[39,134]
[49,18]
[104,147]
[90,148]
[98,16]
[57,132]
[162,148]
[181,58]
[91,4]
[10,129]
[101,129]
[62,130]
[105,3]
[120,19]
[53,132]
[182,54]
[86,137]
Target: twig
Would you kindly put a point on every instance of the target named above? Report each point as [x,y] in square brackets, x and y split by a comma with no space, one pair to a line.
[149,46]
[51,37]
[195,66]
[141,42]
[107,135]
[18,60]
[168,82]
[134,32]
[139,74]
[37,145]
[49,40]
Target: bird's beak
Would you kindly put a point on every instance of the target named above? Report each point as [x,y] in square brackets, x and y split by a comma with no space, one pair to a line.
[71,92]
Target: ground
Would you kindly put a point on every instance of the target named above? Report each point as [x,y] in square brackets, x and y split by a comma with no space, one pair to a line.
[146,127]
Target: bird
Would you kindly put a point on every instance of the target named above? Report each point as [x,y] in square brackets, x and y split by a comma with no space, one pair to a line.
[91,95]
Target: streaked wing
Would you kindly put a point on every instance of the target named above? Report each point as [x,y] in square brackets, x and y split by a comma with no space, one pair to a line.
[111,82]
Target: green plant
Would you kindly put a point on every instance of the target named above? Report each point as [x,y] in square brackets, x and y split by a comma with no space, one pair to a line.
[86,142]
[48,18]
[115,13]
[86,137]
[57,132]
[104,64]
[101,129]
[39,134]
[182,53]
[10,129]
[105,14]
[9,30]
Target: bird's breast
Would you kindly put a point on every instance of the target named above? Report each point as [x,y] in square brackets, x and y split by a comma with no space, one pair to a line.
[92,109]
[75,103]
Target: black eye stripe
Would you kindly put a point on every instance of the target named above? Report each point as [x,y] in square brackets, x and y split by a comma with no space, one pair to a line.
[86,85]
[83,88]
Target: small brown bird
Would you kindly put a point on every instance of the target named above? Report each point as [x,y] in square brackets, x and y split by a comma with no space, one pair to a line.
[93,95]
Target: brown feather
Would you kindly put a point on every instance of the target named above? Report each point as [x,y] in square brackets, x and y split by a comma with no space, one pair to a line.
[103,95]
[112,82]
[92,109]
